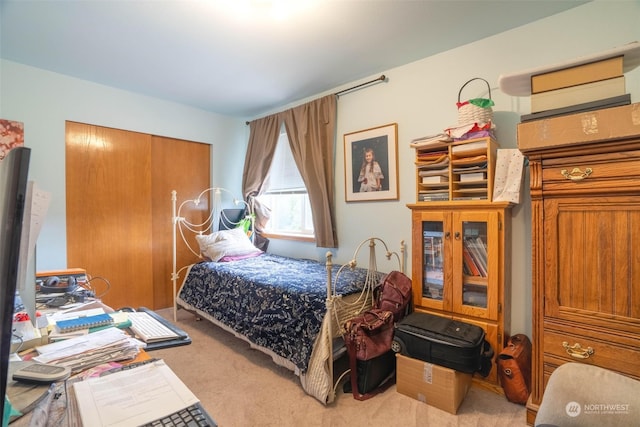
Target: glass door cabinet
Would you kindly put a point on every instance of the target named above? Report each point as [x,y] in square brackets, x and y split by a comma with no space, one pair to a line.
[458,265]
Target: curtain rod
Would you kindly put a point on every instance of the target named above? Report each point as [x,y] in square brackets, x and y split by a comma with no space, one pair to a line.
[379,79]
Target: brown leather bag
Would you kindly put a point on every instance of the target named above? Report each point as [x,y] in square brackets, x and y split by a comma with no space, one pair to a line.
[394,294]
[514,369]
[371,361]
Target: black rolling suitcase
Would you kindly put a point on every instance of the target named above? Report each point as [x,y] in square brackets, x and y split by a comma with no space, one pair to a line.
[450,343]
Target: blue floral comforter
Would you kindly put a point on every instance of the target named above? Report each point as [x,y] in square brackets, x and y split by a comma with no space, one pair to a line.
[274,301]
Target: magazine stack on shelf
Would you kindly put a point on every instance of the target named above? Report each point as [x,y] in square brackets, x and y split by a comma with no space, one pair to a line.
[461,170]
[431,140]
[470,169]
[433,173]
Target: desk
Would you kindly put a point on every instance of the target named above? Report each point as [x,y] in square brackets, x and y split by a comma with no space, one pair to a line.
[35,400]
[51,400]
[24,397]
[151,392]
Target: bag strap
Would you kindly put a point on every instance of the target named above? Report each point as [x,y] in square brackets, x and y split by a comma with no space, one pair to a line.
[351,351]
[486,359]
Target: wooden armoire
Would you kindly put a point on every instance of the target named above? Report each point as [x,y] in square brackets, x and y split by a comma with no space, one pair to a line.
[118,202]
[585,202]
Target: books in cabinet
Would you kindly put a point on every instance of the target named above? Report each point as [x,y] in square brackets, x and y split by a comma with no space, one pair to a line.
[432,249]
[477,251]
[432,264]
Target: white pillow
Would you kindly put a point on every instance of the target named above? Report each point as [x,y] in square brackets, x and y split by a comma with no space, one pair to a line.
[223,243]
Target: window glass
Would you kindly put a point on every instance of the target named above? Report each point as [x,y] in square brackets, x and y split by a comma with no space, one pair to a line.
[286,194]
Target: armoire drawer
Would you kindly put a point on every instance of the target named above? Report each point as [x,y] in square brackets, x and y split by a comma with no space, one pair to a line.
[593,172]
[606,354]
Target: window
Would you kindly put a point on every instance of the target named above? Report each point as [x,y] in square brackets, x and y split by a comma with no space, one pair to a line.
[286,195]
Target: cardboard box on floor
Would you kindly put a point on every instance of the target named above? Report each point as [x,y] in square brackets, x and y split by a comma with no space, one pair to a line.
[432,384]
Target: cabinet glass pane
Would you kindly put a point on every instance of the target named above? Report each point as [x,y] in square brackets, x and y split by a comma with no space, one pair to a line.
[474,265]
[432,260]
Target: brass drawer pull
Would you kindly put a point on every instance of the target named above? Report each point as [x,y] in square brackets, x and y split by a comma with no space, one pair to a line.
[576,174]
[576,351]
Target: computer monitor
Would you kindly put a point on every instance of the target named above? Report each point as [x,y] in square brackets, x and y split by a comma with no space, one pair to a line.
[14,169]
[35,211]
[230,218]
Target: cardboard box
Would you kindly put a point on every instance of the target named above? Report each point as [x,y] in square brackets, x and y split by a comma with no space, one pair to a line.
[579,74]
[432,384]
[581,128]
[575,95]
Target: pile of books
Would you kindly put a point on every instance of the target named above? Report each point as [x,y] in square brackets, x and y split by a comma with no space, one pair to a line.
[474,253]
[585,87]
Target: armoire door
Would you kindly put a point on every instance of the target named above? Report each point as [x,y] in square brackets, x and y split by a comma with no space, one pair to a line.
[118,199]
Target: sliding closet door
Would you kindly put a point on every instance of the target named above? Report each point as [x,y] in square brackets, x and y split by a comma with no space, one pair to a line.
[183,166]
[118,197]
[108,182]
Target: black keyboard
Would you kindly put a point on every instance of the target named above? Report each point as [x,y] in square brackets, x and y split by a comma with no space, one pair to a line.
[192,416]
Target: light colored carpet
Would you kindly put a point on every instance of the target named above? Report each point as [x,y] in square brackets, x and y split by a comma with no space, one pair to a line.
[240,387]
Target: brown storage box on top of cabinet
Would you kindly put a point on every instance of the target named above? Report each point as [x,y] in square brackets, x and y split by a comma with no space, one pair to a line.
[580,128]
[432,384]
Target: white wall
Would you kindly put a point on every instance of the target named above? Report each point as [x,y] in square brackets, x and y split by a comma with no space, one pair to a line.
[420,97]
[45,100]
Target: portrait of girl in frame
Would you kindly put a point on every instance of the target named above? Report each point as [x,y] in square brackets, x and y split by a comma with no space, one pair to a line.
[371,171]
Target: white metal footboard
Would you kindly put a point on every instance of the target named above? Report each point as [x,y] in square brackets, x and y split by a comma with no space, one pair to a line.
[341,309]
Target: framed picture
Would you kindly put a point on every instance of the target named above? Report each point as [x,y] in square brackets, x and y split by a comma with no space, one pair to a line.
[371,164]
[12,133]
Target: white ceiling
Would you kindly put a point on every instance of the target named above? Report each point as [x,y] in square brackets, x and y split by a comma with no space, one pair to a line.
[204,54]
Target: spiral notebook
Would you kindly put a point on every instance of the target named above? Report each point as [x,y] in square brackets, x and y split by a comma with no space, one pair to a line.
[84,322]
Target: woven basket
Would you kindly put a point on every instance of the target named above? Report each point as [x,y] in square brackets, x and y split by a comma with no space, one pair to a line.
[468,112]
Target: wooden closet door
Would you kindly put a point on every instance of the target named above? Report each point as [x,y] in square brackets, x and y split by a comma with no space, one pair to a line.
[119,218]
[183,166]
[108,191]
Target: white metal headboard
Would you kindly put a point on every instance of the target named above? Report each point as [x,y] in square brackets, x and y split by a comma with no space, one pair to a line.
[208,225]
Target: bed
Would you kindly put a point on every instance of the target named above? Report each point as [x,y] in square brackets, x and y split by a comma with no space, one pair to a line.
[291,309]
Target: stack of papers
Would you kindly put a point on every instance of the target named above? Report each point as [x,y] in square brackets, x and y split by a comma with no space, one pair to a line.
[87,351]
[133,397]
[84,322]
[430,140]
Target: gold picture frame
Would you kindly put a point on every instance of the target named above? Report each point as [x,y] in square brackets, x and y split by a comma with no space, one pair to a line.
[374,177]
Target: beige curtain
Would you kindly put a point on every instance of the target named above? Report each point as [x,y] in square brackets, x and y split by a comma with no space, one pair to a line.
[311,131]
[263,138]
